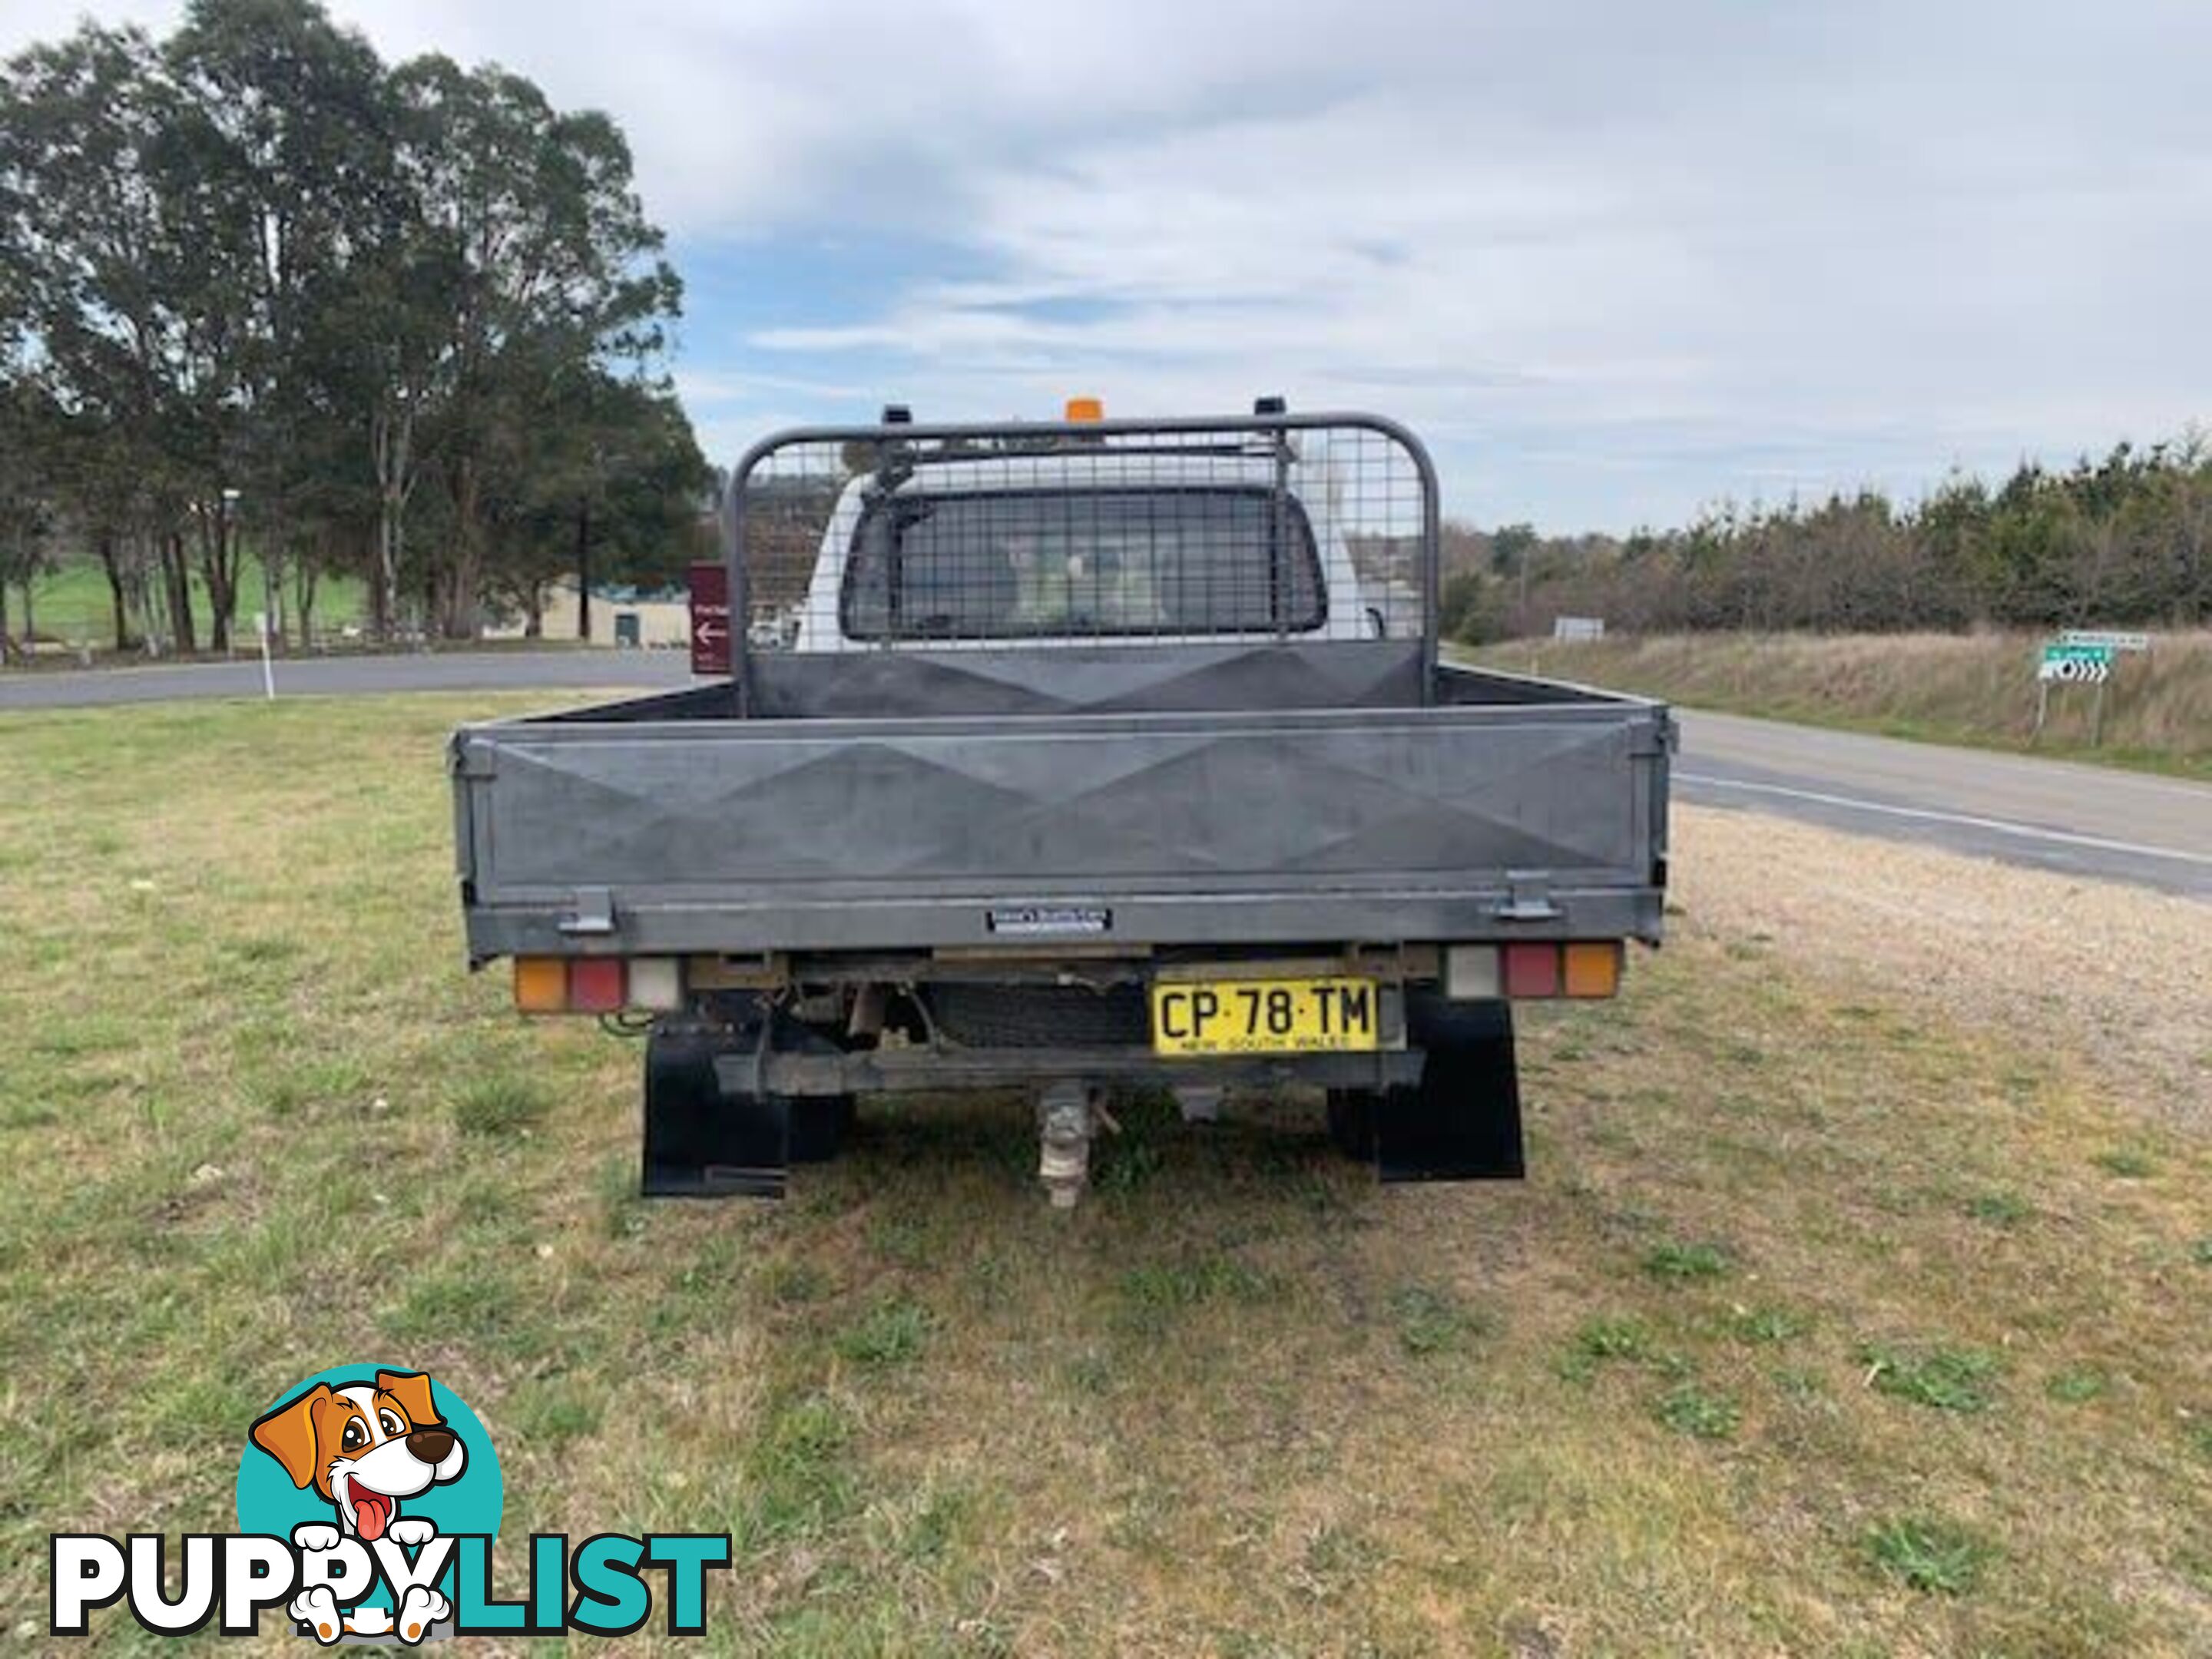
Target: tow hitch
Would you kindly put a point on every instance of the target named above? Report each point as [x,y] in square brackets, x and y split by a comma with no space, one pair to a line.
[1070,1114]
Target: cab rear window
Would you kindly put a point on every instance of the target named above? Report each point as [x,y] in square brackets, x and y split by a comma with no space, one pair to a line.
[1028,564]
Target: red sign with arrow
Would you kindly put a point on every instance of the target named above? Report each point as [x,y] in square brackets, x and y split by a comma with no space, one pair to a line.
[710,618]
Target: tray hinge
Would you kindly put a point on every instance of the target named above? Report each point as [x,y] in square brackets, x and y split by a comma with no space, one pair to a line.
[1527,898]
[591,913]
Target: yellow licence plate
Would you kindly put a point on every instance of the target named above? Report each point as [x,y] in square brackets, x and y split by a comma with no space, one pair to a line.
[1266,1016]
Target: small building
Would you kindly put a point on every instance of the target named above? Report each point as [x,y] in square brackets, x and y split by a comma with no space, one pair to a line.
[621,616]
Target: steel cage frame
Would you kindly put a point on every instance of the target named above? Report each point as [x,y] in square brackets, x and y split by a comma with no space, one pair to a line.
[1049,436]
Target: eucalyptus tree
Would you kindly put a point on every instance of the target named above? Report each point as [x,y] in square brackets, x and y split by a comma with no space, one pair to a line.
[26,499]
[286,125]
[550,261]
[607,484]
[255,270]
[88,253]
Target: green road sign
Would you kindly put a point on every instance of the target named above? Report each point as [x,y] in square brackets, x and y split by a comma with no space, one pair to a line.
[2090,664]
[2110,640]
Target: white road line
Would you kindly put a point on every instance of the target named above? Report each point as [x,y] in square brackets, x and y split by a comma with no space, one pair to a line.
[2003,827]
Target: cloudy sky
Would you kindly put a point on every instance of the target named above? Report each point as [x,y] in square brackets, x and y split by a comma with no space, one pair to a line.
[1616,259]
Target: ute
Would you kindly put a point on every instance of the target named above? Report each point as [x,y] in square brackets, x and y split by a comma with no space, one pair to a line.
[1061,756]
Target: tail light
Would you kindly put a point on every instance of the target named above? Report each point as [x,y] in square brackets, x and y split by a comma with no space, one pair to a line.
[595,984]
[657,983]
[1532,971]
[1592,968]
[598,985]
[541,985]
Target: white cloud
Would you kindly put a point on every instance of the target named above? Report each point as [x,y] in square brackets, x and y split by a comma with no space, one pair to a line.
[1619,259]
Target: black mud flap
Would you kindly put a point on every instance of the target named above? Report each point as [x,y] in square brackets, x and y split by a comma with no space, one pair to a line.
[1463,1122]
[700,1142]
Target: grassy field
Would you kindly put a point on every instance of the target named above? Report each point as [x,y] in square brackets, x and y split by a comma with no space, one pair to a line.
[1977,689]
[72,604]
[1827,1325]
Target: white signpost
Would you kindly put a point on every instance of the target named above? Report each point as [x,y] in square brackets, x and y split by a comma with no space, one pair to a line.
[268,668]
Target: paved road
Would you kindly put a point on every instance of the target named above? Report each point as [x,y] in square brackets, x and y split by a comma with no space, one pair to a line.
[2085,819]
[2088,820]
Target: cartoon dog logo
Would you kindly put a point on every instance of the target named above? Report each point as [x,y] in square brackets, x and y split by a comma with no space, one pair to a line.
[366,1448]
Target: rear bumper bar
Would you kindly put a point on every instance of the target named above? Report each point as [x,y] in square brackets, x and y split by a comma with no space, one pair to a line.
[661,925]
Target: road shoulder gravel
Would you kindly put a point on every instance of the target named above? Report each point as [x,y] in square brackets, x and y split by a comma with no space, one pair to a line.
[2121,974]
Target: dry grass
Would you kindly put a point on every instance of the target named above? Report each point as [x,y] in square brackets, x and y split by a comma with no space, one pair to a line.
[1691,1390]
[1950,687]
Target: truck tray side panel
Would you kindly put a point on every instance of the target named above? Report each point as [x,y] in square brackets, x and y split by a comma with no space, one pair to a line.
[734,835]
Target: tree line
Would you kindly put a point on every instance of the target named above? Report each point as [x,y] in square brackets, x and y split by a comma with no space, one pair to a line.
[260,290]
[2126,539]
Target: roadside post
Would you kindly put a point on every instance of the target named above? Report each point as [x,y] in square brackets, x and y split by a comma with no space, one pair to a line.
[268,667]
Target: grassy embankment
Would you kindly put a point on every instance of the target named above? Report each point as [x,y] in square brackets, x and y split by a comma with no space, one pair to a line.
[1827,1325]
[1976,689]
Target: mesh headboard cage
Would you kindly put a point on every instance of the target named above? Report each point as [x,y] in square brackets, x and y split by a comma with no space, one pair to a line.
[1100,564]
